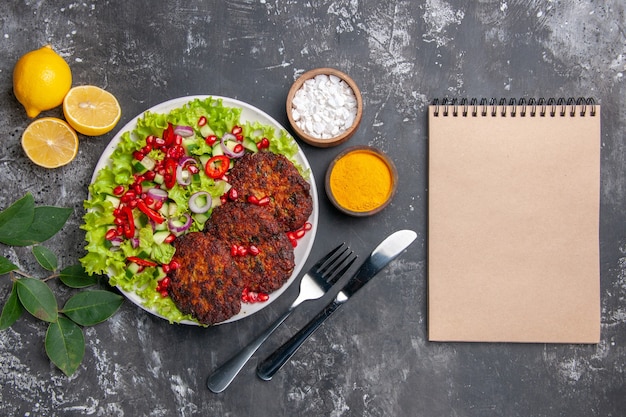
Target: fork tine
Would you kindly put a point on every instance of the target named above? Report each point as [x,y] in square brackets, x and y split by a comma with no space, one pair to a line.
[326,258]
[336,263]
[335,275]
[333,262]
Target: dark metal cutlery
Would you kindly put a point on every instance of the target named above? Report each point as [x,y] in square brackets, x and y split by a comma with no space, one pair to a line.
[388,250]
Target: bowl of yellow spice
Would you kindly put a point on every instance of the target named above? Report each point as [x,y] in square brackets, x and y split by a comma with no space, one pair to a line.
[361,181]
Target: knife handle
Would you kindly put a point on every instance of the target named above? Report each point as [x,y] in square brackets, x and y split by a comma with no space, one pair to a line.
[276,360]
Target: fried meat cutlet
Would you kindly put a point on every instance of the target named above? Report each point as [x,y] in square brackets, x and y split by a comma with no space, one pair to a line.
[243,224]
[208,283]
[271,267]
[266,174]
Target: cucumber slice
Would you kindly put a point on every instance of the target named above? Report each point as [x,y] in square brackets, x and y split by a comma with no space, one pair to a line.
[160,236]
[190,144]
[217,149]
[159,274]
[172,210]
[113,200]
[200,218]
[250,145]
[204,159]
[145,165]
[230,144]
[160,227]
[132,269]
[206,131]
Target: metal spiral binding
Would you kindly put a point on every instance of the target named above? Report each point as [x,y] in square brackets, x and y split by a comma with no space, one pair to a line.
[541,107]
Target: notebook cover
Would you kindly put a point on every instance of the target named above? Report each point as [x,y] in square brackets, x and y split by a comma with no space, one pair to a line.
[513,238]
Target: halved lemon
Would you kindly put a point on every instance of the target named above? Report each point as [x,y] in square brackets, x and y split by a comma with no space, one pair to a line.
[91,110]
[50,142]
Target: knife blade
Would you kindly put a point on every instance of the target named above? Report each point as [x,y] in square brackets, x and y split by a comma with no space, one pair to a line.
[385,252]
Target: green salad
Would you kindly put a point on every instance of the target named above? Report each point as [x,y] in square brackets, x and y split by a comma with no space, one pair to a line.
[162,181]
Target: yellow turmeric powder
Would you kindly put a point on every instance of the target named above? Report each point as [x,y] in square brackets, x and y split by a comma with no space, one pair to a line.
[361,181]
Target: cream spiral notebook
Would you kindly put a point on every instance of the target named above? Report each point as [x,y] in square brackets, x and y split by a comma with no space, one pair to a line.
[513,221]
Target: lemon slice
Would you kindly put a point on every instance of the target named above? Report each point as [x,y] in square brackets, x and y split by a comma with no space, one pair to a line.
[50,142]
[91,110]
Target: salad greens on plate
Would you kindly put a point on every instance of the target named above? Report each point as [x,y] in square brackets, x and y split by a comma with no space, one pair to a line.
[161,180]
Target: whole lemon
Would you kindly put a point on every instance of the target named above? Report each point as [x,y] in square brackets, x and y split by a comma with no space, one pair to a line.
[41,79]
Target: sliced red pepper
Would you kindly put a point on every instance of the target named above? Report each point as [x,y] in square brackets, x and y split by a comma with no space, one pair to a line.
[169,135]
[169,176]
[217,166]
[140,261]
[152,214]
[129,224]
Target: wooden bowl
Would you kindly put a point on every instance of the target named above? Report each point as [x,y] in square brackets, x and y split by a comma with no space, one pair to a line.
[310,138]
[361,177]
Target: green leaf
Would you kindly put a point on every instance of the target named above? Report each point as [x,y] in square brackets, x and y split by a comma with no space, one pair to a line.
[47,222]
[37,298]
[17,218]
[12,309]
[65,345]
[75,276]
[6,266]
[92,307]
[45,257]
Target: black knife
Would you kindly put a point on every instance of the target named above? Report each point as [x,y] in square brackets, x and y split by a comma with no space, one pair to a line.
[384,253]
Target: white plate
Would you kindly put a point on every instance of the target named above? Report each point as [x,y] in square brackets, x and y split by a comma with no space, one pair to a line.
[248,114]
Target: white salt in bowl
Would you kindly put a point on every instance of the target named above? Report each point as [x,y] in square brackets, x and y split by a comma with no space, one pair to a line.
[324,107]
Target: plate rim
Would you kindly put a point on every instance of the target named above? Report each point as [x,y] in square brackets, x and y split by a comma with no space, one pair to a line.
[304,251]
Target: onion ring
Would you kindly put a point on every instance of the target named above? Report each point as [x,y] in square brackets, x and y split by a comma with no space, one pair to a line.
[184,131]
[227,151]
[193,205]
[172,223]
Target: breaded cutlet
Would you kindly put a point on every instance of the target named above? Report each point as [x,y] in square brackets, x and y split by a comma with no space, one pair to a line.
[266,174]
[208,283]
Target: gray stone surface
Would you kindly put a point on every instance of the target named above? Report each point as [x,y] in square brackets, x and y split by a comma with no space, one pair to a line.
[372,358]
